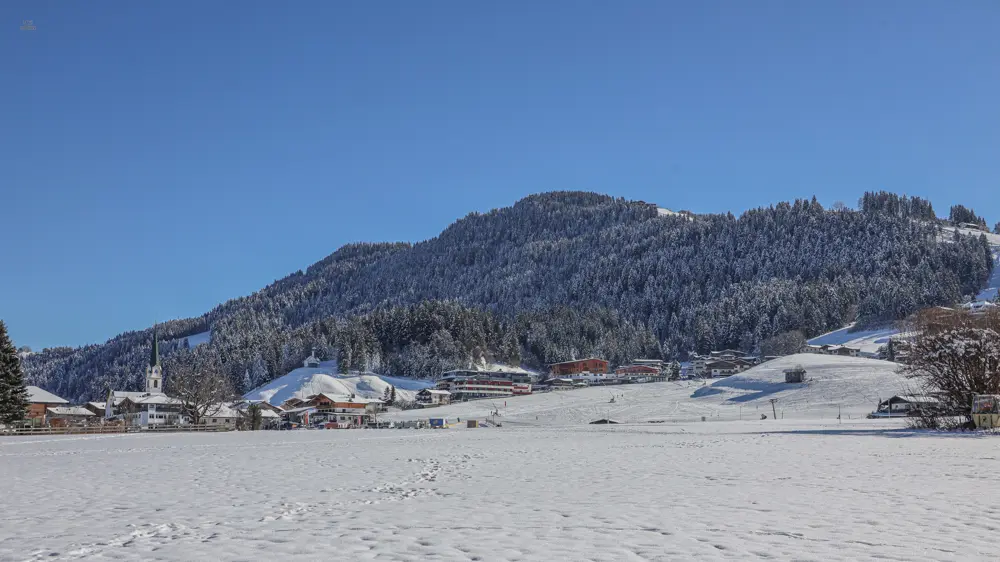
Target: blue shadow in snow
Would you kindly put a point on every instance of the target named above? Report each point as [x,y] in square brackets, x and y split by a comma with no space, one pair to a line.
[759,389]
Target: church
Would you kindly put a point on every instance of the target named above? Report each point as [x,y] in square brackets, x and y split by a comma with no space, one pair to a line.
[149,407]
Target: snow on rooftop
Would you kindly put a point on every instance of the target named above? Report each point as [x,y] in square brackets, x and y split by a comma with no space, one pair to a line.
[37,395]
[70,411]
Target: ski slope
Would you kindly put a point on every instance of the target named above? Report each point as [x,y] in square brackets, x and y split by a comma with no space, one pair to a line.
[993,285]
[306,381]
[849,385]
[868,341]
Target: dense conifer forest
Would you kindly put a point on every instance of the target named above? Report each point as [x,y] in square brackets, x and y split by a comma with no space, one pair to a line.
[564,275]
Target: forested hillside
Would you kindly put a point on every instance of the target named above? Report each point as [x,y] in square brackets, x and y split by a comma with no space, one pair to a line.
[566,274]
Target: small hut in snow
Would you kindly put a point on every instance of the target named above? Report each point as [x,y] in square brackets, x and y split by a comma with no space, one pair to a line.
[796,375]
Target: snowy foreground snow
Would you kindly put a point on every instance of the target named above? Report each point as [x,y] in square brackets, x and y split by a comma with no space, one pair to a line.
[776,489]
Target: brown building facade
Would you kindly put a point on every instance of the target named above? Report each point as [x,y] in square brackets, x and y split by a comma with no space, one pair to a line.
[591,364]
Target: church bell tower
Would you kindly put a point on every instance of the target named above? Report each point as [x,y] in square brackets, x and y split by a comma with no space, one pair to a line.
[154,372]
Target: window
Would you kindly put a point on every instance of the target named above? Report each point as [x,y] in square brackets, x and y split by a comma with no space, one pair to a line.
[156,383]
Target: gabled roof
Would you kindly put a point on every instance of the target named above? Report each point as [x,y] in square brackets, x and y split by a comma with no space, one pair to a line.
[69,411]
[722,364]
[157,399]
[433,391]
[117,396]
[577,361]
[345,398]
[38,396]
[98,405]
[914,399]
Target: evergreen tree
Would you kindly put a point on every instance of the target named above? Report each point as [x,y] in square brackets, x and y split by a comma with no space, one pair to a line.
[13,393]
[392,394]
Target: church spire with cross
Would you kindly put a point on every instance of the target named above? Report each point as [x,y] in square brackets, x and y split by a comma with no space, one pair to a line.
[154,371]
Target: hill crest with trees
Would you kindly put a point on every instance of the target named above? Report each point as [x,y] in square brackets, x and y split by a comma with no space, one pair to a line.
[568,274]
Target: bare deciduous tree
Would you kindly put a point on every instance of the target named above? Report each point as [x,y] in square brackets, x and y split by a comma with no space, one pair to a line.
[787,343]
[196,378]
[956,363]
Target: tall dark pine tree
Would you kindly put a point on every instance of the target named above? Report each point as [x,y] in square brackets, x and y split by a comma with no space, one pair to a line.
[13,394]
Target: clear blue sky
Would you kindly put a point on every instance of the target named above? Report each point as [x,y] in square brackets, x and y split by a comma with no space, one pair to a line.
[162,157]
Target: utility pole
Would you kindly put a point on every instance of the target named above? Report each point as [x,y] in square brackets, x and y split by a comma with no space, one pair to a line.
[773,411]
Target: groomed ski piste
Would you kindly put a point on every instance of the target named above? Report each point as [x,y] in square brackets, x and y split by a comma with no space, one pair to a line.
[545,486]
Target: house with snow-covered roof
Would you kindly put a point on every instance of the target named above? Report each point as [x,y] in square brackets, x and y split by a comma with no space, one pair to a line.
[39,401]
[433,397]
[70,415]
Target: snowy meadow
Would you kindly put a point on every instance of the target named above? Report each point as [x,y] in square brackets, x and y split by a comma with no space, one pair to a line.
[728,490]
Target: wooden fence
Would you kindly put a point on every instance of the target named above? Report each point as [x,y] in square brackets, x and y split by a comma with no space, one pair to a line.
[108,429]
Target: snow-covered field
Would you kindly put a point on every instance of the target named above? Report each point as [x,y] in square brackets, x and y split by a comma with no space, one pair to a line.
[545,486]
[848,385]
[778,490]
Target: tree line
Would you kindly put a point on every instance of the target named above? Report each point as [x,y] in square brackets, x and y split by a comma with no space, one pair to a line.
[537,281]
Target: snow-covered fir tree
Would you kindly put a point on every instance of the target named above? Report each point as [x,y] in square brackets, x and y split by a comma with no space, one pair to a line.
[13,394]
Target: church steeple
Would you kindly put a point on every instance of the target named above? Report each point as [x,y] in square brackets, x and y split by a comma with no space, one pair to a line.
[154,372]
[154,357]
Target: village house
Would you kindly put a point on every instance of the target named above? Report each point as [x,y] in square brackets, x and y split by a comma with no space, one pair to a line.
[637,370]
[264,405]
[723,368]
[292,403]
[97,408]
[566,384]
[591,365]
[433,397]
[39,401]
[979,307]
[726,354]
[70,415]
[700,363]
[828,349]
[905,405]
[345,411]
[270,415]
[655,363]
